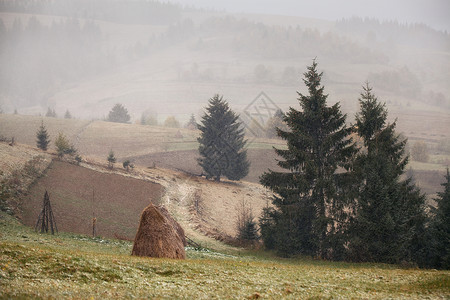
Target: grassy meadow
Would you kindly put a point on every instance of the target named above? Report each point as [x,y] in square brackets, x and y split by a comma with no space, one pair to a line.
[67,266]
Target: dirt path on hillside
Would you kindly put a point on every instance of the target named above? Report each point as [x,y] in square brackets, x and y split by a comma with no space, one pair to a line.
[200,205]
[210,207]
[80,132]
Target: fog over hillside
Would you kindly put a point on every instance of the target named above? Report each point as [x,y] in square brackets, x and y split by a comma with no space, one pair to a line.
[169,58]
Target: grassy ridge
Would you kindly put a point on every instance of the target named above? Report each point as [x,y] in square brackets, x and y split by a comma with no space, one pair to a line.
[75,266]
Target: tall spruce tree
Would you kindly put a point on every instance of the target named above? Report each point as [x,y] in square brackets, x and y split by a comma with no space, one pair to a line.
[42,138]
[308,209]
[388,213]
[440,228]
[222,142]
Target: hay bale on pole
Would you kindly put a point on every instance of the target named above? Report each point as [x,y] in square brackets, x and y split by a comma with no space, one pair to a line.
[159,235]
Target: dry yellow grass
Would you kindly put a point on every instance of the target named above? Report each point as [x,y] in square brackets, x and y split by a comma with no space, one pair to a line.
[24,128]
[14,158]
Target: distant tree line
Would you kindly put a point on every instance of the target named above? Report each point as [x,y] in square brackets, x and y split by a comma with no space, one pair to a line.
[263,41]
[121,11]
[286,42]
[418,35]
[340,201]
[401,82]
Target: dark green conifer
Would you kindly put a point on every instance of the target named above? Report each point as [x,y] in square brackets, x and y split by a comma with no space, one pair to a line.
[192,123]
[249,231]
[389,212]
[118,114]
[51,113]
[43,139]
[111,159]
[222,142]
[67,115]
[309,209]
[440,229]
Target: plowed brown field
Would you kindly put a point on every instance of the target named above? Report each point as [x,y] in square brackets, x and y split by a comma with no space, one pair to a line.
[76,193]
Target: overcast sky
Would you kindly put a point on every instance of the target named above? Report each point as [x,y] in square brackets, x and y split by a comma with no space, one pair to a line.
[435,13]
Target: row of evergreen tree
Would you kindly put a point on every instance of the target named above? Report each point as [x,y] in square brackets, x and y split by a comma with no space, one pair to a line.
[335,200]
[338,201]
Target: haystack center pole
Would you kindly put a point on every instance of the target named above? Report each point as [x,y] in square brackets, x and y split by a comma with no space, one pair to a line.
[44,226]
[94,219]
[39,220]
[52,218]
[45,215]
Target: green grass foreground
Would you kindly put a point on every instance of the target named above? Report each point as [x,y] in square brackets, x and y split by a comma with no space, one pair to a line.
[72,266]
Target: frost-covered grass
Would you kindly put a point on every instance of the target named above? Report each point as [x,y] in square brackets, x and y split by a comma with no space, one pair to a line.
[74,266]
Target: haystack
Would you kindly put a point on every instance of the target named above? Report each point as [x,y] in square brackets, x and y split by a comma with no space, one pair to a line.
[159,235]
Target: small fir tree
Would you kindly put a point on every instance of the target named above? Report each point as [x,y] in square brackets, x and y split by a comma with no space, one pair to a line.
[78,159]
[246,225]
[249,231]
[67,115]
[127,165]
[118,114]
[51,113]
[309,207]
[192,123]
[275,122]
[43,139]
[63,146]
[111,159]
[222,142]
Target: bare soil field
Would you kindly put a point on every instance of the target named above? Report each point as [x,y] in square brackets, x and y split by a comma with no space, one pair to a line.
[77,193]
